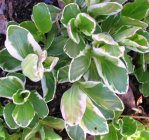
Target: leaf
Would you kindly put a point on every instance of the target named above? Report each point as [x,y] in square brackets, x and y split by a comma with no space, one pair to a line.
[48,84]
[69,12]
[40,106]
[75,132]
[53,122]
[112,135]
[112,71]
[144,135]
[136,43]
[142,76]
[50,63]
[79,66]
[41,11]
[107,113]
[103,37]
[20,97]
[72,31]
[29,133]
[144,88]
[111,24]
[139,7]
[130,21]
[56,47]
[23,114]
[32,68]
[113,50]
[85,23]
[7,114]
[105,8]
[51,135]
[8,63]
[72,49]
[125,129]
[30,26]
[125,32]
[19,75]
[10,85]
[73,105]
[62,74]
[128,62]
[93,122]
[24,44]
[54,11]
[91,74]
[103,97]
[50,37]
[2,133]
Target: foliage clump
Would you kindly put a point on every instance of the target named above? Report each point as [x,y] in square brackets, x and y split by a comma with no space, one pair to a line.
[88,44]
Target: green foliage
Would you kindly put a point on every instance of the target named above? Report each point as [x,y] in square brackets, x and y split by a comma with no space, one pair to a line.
[88,44]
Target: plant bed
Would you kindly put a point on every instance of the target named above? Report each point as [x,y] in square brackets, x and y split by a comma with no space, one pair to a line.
[75,70]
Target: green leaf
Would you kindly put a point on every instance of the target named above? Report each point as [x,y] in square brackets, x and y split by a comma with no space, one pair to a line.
[54,11]
[23,114]
[32,68]
[20,97]
[10,85]
[53,122]
[107,113]
[128,62]
[30,26]
[62,74]
[93,122]
[7,114]
[139,7]
[70,11]
[113,50]
[50,63]
[50,37]
[41,11]
[130,21]
[106,8]
[103,97]
[92,74]
[73,105]
[136,43]
[144,88]
[57,45]
[111,24]
[2,133]
[72,49]
[40,107]
[24,44]
[85,23]
[144,135]
[50,134]
[112,71]
[126,130]
[112,135]
[79,66]
[75,132]
[48,84]
[141,75]
[72,31]
[29,133]
[103,37]
[8,63]
[19,75]
[125,32]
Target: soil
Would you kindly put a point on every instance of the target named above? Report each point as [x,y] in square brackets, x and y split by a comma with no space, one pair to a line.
[20,10]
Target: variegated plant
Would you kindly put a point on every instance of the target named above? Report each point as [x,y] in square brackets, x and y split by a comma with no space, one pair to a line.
[87,44]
